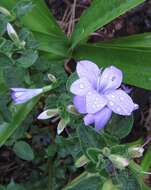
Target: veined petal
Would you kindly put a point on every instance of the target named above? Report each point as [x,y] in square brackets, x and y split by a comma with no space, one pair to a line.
[111,79]
[120,102]
[88,70]
[94,102]
[102,117]
[80,103]
[80,87]
[89,119]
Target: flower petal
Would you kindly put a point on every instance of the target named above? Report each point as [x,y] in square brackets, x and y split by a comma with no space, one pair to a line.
[111,79]
[88,70]
[101,118]
[80,103]
[22,95]
[94,102]
[80,87]
[120,102]
[89,119]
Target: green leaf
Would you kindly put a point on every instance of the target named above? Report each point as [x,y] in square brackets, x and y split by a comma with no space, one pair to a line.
[39,19]
[93,154]
[23,7]
[119,126]
[4,111]
[108,185]
[7,129]
[28,58]
[120,149]
[141,41]
[23,150]
[126,181]
[14,76]
[85,181]
[146,162]
[99,14]
[89,138]
[52,44]
[126,59]
[13,186]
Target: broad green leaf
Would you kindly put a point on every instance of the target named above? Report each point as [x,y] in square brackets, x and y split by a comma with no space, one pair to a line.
[141,41]
[119,126]
[89,138]
[99,14]
[7,129]
[126,181]
[52,44]
[23,150]
[134,62]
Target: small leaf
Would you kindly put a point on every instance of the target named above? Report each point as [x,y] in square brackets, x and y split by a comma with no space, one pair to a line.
[23,150]
[93,154]
[119,126]
[89,138]
[28,58]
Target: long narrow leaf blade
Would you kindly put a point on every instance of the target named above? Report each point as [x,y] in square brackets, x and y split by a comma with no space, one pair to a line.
[7,129]
[99,14]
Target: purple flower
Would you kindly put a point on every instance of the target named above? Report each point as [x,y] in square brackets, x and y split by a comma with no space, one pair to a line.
[22,95]
[98,94]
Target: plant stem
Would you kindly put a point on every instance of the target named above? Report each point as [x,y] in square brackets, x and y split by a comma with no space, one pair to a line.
[50,174]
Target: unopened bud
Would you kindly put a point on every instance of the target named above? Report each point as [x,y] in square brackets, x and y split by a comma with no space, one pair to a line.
[81,161]
[12,33]
[47,114]
[71,109]
[119,161]
[106,151]
[52,78]
[136,152]
[61,126]
[5,12]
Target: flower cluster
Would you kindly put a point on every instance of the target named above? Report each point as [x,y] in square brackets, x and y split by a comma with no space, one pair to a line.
[98,94]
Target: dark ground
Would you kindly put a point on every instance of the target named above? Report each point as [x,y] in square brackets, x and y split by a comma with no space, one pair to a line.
[135,21]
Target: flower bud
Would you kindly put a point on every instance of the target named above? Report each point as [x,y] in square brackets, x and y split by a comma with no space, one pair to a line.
[119,161]
[47,114]
[81,161]
[71,109]
[61,126]
[136,152]
[5,12]
[12,33]
[22,95]
[52,78]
